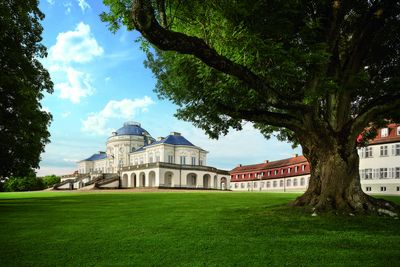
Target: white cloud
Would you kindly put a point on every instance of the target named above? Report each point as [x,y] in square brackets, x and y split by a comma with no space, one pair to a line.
[107,79]
[51,2]
[75,46]
[67,6]
[96,123]
[77,86]
[83,5]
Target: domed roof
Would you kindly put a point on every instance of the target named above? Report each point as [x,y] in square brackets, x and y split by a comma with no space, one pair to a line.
[131,128]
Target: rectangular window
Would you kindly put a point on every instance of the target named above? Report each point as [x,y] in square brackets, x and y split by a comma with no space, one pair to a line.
[150,159]
[384,151]
[200,162]
[183,160]
[398,188]
[397,172]
[303,167]
[255,184]
[368,188]
[157,158]
[296,168]
[383,173]
[384,132]
[289,170]
[193,161]
[397,150]
[281,183]
[262,184]
[276,172]
[368,152]
[268,184]
[368,173]
[398,130]
[269,173]
[275,183]
[383,188]
[170,159]
[282,171]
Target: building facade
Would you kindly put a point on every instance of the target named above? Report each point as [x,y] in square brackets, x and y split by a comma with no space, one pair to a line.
[379,169]
[135,159]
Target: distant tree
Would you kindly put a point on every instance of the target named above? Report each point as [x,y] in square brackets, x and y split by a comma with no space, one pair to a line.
[50,180]
[25,183]
[23,125]
[315,72]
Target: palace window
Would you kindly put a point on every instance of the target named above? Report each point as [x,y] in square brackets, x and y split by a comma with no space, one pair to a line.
[368,174]
[262,184]
[268,184]
[384,132]
[183,160]
[242,185]
[282,171]
[269,173]
[193,161]
[384,151]
[368,152]
[397,172]
[383,188]
[281,183]
[255,185]
[296,168]
[276,172]
[289,170]
[150,159]
[397,149]
[303,167]
[398,188]
[383,173]
[295,182]
[302,181]
[368,188]
[170,159]
[288,182]
[157,158]
[275,183]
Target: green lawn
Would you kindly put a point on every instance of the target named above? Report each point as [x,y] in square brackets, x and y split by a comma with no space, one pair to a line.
[186,229]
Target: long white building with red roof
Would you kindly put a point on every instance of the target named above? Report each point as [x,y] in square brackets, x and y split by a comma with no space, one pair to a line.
[379,169]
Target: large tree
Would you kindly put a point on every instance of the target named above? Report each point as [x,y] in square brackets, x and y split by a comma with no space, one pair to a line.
[23,124]
[316,72]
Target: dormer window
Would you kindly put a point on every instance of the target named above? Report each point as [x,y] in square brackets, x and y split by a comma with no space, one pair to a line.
[384,132]
[398,130]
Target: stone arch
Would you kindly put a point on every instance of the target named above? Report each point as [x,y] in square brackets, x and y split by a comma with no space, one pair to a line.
[124,181]
[168,176]
[191,180]
[142,179]
[206,181]
[133,180]
[152,179]
[223,183]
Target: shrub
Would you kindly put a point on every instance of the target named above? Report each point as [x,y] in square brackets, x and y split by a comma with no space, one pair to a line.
[50,180]
[29,183]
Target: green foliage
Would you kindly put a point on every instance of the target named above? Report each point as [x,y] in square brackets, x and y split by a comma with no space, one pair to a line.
[311,56]
[27,183]
[50,180]
[23,80]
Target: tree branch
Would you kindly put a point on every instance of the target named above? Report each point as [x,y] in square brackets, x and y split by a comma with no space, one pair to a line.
[370,112]
[167,40]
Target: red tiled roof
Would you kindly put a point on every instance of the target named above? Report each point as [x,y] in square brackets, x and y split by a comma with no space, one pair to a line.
[270,165]
[392,136]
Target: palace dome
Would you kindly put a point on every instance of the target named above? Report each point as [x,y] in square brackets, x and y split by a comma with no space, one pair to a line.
[131,128]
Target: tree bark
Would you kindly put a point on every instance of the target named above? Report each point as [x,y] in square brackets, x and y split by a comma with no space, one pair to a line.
[335,184]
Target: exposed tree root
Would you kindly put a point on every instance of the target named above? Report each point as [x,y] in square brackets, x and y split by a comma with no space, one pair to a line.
[356,203]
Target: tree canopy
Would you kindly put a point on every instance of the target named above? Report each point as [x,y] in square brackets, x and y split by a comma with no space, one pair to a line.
[23,79]
[316,72]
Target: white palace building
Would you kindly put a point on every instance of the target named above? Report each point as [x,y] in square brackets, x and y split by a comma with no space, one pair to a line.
[135,159]
[379,169]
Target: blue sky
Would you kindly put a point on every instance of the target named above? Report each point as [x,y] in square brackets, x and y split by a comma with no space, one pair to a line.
[100,82]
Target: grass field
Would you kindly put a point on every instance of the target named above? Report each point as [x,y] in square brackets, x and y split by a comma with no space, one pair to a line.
[186,229]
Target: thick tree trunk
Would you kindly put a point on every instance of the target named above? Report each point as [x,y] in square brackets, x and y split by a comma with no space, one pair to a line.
[335,184]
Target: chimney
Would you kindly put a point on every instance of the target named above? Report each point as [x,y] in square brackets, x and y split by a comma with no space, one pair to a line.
[266,161]
[175,133]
